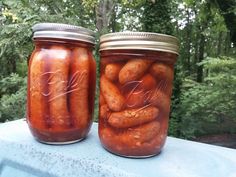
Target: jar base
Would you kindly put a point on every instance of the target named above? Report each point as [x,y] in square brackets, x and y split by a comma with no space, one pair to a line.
[133,156]
[58,138]
[59,143]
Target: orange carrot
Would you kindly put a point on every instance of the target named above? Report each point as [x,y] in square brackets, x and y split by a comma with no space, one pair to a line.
[59,71]
[143,133]
[103,111]
[101,99]
[164,75]
[134,69]
[147,82]
[133,117]
[79,83]
[92,80]
[112,71]
[112,95]
[37,102]
[159,99]
[135,99]
[162,71]
[131,141]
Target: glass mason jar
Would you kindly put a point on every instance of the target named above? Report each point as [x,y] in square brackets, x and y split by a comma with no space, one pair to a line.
[61,83]
[137,70]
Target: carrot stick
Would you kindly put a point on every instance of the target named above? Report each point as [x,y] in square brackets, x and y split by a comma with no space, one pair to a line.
[163,73]
[101,99]
[143,133]
[112,95]
[37,101]
[133,141]
[159,99]
[59,71]
[134,69]
[103,111]
[79,89]
[135,99]
[147,82]
[92,85]
[112,71]
[133,117]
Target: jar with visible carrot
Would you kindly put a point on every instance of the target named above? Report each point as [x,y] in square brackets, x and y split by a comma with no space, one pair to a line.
[137,70]
[61,83]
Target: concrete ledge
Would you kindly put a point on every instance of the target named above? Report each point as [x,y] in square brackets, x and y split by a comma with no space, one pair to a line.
[22,156]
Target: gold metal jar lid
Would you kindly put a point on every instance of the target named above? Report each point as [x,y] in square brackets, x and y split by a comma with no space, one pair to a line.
[140,41]
[63,31]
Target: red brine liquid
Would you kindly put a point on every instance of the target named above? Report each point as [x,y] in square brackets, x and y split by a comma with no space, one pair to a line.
[135,92]
[61,89]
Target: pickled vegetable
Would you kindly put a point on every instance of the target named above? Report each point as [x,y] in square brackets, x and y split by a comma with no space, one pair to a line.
[112,95]
[133,69]
[61,93]
[58,63]
[133,117]
[134,104]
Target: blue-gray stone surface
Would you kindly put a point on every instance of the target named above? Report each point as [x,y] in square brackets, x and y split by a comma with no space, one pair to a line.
[22,156]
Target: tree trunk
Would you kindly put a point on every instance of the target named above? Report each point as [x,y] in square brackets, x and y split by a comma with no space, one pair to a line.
[156,16]
[113,22]
[227,43]
[200,58]
[227,8]
[196,47]
[14,66]
[219,44]
[188,47]
[11,65]
[103,15]
[202,27]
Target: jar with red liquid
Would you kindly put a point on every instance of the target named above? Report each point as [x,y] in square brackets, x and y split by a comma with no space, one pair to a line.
[61,83]
[137,70]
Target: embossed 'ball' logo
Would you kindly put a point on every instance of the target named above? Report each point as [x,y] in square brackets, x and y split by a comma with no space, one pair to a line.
[57,80]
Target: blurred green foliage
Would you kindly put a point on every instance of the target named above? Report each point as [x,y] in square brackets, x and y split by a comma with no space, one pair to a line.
[12,101]
[211,103]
